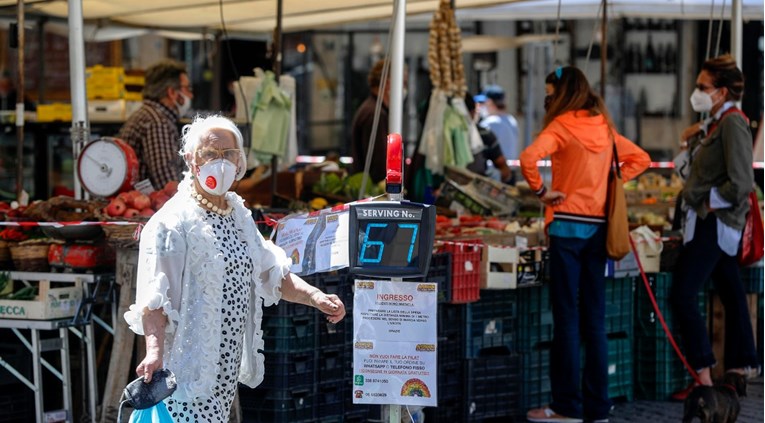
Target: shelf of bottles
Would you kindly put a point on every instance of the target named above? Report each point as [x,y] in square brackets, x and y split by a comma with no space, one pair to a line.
[650,59]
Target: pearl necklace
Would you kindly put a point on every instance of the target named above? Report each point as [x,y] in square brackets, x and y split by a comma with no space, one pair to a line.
[205,202]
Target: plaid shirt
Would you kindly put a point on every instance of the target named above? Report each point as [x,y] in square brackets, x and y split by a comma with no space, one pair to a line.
[153,133]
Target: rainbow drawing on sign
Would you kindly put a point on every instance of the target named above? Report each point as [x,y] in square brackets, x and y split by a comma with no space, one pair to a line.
[415,388]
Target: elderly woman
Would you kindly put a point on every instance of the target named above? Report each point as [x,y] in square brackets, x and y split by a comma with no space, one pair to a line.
[204,274]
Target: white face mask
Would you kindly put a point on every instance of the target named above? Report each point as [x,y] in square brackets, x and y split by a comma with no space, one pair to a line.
[216,176]
[701,101]
[185,107]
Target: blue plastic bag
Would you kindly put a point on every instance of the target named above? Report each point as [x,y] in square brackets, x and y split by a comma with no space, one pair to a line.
[156,414]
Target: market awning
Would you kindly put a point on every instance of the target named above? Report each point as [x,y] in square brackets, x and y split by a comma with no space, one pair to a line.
[259,16]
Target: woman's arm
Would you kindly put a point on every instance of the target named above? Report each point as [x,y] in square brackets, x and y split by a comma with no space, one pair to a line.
[154,323]
[296,290]
[634,160]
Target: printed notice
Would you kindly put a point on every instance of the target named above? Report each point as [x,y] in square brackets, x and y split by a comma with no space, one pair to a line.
[394,348]
[315,242]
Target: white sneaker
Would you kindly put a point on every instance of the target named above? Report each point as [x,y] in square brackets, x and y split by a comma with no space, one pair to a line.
[547,415]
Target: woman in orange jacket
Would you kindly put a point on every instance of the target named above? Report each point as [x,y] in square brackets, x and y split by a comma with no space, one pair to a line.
[578,136]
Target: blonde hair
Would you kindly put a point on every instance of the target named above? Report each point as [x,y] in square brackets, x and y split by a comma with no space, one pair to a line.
[199,130]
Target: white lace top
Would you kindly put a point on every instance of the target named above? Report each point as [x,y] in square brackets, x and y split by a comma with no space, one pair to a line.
[180,271]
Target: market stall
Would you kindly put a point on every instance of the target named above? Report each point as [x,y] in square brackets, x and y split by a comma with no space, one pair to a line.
[491,240]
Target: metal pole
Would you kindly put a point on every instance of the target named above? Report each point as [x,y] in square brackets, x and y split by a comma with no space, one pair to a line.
[20,105]
[277,75]
[603,49]
[397,69]
[736,31]
[80,130]
[395,109]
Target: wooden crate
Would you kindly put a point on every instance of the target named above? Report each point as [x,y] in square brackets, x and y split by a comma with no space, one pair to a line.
[50,303]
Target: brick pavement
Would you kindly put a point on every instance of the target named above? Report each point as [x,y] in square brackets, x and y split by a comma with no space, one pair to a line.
[752,410]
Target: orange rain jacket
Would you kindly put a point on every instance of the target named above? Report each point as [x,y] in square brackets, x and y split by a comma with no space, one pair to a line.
[581,152]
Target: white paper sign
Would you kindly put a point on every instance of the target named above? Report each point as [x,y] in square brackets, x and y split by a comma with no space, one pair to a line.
[395,343]
[316,242]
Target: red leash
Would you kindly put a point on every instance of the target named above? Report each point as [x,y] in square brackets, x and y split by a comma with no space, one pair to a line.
[661,316]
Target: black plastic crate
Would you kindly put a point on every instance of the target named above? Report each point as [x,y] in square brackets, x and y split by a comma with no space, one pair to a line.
[289,334]
[277,406]
[289,371]
[16,404]
[333,362]
[451,320]
[330,399]
[491,322]
[493,387]
[288,309]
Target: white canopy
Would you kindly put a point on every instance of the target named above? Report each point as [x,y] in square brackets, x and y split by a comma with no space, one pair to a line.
[259,16]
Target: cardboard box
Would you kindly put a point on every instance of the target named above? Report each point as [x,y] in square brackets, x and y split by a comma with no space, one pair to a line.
[49,304]
[500,267]
[107,110]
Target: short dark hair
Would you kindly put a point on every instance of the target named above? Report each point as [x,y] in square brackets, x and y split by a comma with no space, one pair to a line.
[161,76]
[375,75]
[726,73]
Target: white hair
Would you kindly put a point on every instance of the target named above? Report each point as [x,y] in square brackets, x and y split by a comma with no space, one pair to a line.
[197,131]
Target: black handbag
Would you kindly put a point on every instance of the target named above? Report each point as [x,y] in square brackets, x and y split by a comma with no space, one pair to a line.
[141,395]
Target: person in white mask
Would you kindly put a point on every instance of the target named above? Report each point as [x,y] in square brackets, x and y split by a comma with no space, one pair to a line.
[715,205]
[152,130]
[203,269]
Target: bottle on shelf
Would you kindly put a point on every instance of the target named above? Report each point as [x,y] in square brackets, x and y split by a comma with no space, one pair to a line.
[649,60]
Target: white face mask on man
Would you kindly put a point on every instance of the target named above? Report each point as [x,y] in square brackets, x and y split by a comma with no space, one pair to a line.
[217,176]
[185,107]
[702,101]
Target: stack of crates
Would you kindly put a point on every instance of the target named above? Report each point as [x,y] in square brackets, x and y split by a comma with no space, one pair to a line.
[534,341]
[658,371]
[451,365]
[288,392]
[466,257]
[492,369]
[619,330]
[113,83]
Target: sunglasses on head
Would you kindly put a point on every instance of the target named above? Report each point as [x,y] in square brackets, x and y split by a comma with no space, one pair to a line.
[558,72]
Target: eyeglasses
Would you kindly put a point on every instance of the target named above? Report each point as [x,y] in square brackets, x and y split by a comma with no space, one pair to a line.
[702,87]
[209,154]
[186,87]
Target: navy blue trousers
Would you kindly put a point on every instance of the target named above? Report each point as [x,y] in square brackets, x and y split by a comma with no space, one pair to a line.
[578,302]
[699,260]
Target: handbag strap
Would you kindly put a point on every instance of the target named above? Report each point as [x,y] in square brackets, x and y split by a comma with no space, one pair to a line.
[615,157]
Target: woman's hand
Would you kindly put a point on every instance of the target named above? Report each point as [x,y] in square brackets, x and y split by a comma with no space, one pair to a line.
[151,363]
[689,133]
[553,198]
[330,305]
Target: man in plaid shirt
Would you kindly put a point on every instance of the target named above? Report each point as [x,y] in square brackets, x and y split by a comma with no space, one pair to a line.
[152,130]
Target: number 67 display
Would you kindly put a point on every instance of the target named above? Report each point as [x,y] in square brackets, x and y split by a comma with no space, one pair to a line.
[391,238]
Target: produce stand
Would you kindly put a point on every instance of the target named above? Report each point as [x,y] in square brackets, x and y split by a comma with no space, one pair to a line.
[95,289]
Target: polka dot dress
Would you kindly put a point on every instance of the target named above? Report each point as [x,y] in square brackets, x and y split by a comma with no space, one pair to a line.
[234,311]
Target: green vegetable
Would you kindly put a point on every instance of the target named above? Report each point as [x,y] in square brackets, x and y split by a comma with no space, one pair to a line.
[24,294]
[5,279]
[329,183]
[353,186]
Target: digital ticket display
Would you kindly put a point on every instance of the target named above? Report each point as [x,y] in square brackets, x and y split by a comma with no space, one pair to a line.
[391,238]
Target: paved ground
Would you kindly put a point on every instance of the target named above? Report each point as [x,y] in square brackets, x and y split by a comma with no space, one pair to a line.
[663,411]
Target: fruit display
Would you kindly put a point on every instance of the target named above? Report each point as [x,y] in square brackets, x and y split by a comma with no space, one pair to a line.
[135,204]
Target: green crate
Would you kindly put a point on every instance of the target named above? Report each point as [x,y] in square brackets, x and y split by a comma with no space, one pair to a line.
[535,370]
[535,319]
[620,369]
[619,304]
[752,278]
[658,370]
[646,321]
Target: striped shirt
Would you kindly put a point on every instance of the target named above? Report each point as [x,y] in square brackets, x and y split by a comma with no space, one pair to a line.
[153,133]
